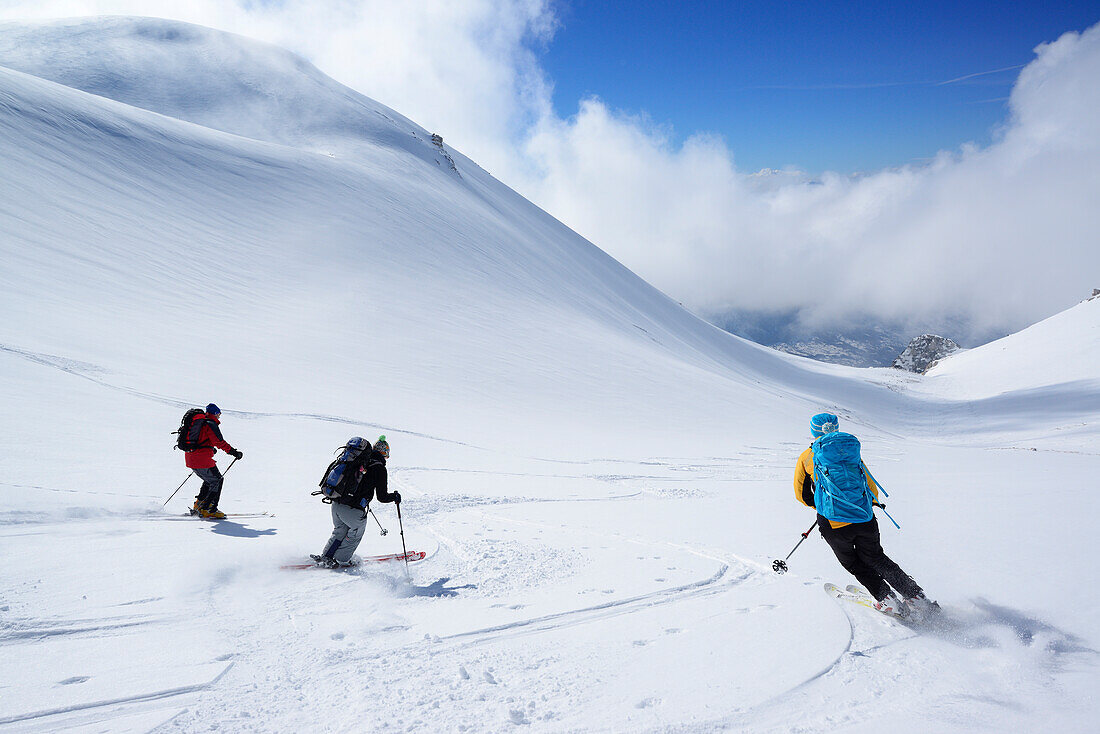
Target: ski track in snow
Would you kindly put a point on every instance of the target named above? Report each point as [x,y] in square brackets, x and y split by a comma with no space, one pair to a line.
[154,696]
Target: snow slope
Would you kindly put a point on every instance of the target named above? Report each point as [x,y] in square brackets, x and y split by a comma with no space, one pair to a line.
[1058,350]
[601,479]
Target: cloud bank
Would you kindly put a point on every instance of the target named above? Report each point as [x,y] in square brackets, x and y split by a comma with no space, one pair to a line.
[995,237]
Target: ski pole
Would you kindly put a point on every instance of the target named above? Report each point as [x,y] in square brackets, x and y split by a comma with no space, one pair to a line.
[884,512]
[403,549]
[781,566]
[881,505]
[177,489]
[188,477]
[384,531]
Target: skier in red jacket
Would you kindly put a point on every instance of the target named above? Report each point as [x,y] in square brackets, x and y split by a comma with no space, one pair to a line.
[207,435]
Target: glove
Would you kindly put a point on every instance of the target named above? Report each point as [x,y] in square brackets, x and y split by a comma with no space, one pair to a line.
[237,454]
[397,497]
[879,504]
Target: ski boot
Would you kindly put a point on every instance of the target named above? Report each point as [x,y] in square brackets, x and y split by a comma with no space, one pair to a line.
[212,514]
[324,561]
[892,605]
[923,607]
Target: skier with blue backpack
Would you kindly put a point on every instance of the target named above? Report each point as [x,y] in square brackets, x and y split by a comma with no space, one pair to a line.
[831,477]
[356,477]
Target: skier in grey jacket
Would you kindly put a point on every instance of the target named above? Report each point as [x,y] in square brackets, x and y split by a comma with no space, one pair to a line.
[349,513]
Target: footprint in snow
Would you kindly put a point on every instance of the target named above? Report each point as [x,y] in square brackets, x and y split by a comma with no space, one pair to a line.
[673,631]
[640,643]
[74,679]
[646,703]
[518,717]
[463,673]
[489,678]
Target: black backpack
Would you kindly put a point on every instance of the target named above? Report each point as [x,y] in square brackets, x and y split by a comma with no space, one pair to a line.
[339,479]
[186,438]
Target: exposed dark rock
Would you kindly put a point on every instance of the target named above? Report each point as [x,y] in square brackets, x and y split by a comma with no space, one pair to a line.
[923,352]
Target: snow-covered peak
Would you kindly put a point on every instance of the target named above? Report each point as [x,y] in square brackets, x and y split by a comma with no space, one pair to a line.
[212,78]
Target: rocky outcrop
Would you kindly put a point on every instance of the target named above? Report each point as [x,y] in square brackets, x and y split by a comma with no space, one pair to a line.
[437,141]
[923,352]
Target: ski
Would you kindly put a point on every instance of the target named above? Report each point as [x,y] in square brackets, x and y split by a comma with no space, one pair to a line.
[859,591]
[411,556]
[857,596]
[926,612]
[189,516]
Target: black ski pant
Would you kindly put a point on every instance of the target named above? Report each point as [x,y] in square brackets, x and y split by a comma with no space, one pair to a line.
[859,550]
[211,490]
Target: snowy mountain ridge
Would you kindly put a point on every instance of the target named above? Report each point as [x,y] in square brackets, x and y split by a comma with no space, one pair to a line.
[211,78]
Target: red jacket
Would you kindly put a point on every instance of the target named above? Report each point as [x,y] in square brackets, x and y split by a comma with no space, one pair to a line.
[210,436]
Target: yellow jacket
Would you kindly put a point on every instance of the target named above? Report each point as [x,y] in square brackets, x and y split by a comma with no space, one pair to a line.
[804,482]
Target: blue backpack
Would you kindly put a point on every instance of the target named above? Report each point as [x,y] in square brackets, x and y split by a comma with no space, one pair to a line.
[339,480]
[841,492]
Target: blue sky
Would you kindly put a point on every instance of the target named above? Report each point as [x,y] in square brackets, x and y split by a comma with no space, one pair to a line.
[820,86]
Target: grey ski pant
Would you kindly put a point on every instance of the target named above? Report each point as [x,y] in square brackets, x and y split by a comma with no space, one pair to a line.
[211,491]
[348,524]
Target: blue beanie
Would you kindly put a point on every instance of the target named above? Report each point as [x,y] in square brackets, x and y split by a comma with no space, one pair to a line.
[823,423]
[213,410]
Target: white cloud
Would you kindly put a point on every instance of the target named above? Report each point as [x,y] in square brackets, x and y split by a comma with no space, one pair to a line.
[1002,235]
